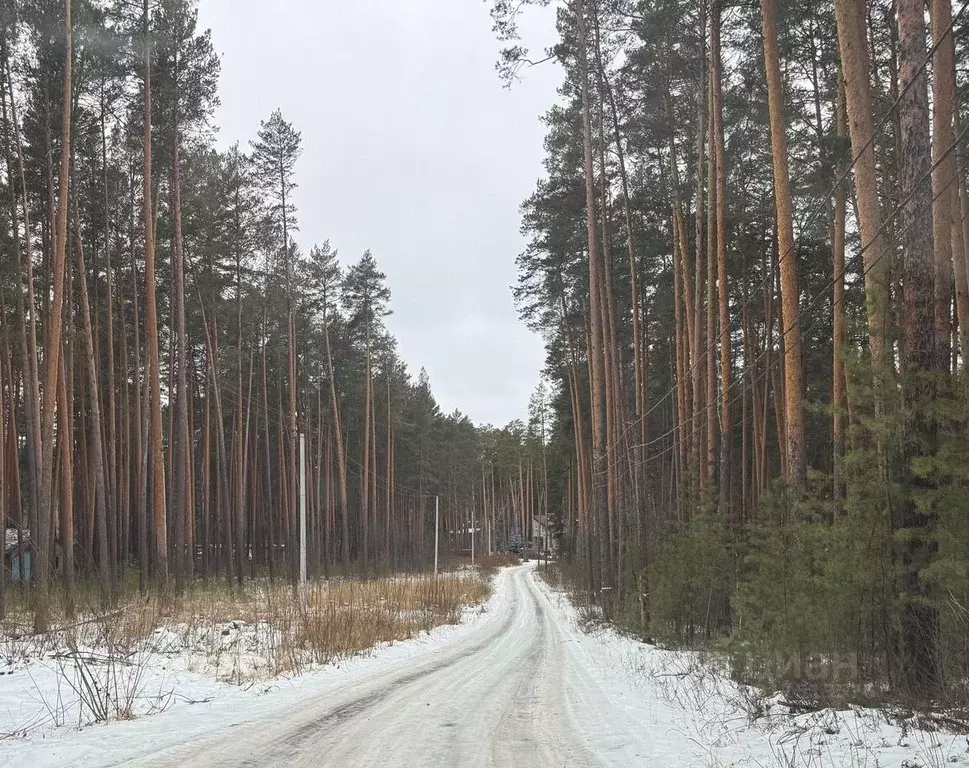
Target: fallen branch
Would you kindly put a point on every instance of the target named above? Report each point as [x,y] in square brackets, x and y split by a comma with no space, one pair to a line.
[93,620]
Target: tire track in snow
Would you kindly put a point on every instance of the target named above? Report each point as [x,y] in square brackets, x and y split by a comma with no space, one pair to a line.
[496,699]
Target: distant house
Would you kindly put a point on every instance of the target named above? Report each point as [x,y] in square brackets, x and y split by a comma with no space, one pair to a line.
[18,543]
[542,537]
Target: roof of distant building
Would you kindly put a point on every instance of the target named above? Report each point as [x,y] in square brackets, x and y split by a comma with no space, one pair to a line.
[12,538]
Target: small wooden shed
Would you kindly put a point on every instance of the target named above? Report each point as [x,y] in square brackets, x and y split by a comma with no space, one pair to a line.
[18,554]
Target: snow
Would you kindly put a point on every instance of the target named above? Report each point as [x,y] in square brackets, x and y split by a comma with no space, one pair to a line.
[518,681]
[647,706]
[179,689]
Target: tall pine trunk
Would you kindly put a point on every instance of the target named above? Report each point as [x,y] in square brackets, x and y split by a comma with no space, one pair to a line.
[66,440]
[183,453]
[340,455]
[790,321]
[365,485]
[710,367]
[157,461]
[726,357]
[596,357]
[850,15]
[838,301]
[52,357]
[921,361]
[99,466]
[944,191]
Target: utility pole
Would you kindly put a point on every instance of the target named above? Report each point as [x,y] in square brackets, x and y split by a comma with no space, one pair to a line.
[302,511]
[490,518]
[437,528]
[472,535]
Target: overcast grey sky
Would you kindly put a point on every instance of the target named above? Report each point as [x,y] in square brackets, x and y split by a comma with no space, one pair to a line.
[413,149]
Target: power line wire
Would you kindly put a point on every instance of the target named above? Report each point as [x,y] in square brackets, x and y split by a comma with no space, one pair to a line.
[823,292]
[697,361]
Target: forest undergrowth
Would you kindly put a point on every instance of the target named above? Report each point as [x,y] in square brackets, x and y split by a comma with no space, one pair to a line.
[718,677]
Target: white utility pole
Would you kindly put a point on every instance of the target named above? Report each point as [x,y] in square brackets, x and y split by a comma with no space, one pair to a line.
[302,510]
[437,528]
[472,535]
[489,523]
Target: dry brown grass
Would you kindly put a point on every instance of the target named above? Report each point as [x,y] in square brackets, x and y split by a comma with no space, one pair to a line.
[111,664]
[488,565]
[266,630]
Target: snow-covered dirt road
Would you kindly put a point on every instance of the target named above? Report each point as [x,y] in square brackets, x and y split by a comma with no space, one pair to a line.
[518,683]
[495,698]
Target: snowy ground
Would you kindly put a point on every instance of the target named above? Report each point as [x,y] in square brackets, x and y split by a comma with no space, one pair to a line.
[646,706]
[516,683]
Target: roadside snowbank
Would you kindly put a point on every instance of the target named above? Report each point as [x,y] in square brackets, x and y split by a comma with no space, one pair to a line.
[646,706]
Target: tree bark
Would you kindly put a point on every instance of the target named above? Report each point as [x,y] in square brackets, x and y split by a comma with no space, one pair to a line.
[52,358]
[920,356]
[365,489]
[708,475]
[726,356]
[944,190]
[838,303]
[157,463]
[598,377]
[111,440]
[960,242]
[698,355]
[66,440]
[181,491]
[855,62]
[340,456]
[99,465]
[26,318]
[791,331]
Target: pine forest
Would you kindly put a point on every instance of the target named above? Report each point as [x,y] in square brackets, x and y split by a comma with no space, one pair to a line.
[747,258]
